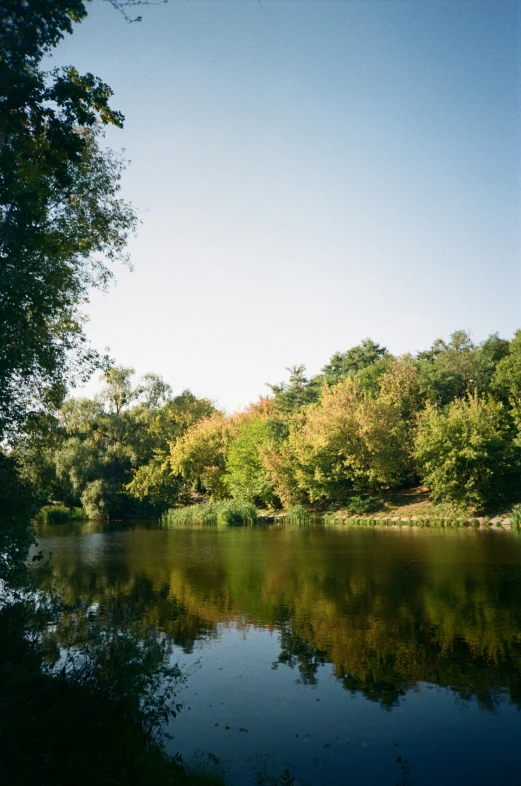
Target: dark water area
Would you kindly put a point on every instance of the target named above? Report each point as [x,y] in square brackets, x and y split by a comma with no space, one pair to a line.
[344,656]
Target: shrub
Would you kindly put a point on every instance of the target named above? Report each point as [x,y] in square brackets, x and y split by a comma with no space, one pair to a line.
[59,514]
[235,513]
[99,498]
[362,505]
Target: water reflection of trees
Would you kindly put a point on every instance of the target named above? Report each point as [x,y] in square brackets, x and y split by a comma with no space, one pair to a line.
[131,601]
[387,610]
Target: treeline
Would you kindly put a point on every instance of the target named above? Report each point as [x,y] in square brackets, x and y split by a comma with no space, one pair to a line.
[448,418]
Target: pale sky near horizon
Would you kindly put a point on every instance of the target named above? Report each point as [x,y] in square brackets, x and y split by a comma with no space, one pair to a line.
[308,173]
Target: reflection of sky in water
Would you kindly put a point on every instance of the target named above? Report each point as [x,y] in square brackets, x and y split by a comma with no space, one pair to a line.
[89,547]
[325,735]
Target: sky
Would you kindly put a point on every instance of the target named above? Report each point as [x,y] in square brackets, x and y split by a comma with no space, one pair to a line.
[307,173]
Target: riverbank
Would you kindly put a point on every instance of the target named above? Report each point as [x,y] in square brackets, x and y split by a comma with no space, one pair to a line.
[411,507]
[480,522]
[414,508]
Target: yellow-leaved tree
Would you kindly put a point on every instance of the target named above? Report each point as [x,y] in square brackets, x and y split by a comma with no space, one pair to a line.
[348,440]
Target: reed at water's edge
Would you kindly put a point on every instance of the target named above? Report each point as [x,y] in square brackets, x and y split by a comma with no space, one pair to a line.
[234,513]
[227,513]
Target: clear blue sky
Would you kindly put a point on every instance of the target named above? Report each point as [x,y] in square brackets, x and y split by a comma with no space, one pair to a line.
[308,173]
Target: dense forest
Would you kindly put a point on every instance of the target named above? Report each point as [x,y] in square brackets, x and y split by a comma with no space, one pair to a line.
[448,418]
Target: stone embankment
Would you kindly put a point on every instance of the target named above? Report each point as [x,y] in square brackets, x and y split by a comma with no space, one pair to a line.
[479,522]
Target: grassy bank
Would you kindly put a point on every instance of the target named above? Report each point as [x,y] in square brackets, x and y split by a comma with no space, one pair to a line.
[412,507]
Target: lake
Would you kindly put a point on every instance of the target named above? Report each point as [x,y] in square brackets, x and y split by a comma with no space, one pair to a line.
[323,655]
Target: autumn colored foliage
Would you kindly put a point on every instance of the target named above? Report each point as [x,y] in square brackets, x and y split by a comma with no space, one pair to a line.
[449,418]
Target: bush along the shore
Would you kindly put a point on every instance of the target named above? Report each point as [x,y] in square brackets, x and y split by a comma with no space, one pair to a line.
[515,517]
[60,514]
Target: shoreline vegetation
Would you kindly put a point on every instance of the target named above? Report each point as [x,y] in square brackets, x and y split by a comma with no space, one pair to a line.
[188,517]
[437,434]
[413,511]
[59,514]
[58,729]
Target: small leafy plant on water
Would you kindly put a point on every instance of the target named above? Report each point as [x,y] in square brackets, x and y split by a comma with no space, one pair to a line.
[405,767]
[265,775]
[228,513]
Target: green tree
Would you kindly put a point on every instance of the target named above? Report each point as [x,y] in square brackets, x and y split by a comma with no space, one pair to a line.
[16,507]
[289,397]
[346,441]
[280,462]
[107,438]
[222,456]
[448,371]
[34,456]
[154,480]
[399,386]
[458,368]
[368,379]
[354,360]
[60,209]
[466,454]
[489,354]
[246,476]
[199,456]
[506,382]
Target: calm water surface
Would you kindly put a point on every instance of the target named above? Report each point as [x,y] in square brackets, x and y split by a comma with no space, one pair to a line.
[330,652]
